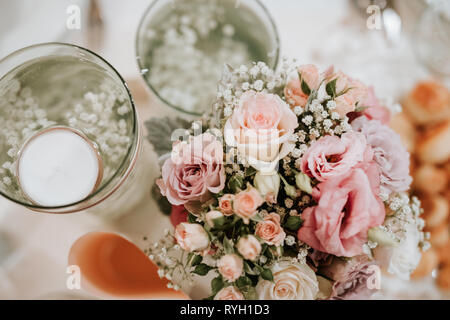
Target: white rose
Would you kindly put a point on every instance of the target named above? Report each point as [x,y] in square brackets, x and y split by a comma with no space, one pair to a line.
[249,247]
[403,258]
[268,185]
[292,281]
[191,237]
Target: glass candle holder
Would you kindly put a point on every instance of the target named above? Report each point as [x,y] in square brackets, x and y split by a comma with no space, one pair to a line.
[69,131]
[183,45]
[431,40]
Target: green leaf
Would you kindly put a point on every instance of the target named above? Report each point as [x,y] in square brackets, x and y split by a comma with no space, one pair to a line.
[228,245]
[160,132]
[202,269]
[217,284]
[266,274]
[219,222]
[248,269]
[192,218]
[250,171]
[305,88]
[196,260]
[243,282]
[331,88]
[236,183]
[257,217]
[250,294]
[293,223]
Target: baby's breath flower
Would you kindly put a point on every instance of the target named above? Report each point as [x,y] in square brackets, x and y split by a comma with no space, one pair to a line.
[298,110]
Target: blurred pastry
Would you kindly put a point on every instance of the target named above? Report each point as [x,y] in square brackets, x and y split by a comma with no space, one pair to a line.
[436,210]
[430,179]
[444,254]
[443,279]
[401,124]
[428,263]
[428,102]
[434,145]
[439,235]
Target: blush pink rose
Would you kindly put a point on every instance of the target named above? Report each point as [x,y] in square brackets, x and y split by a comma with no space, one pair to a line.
[246,203]
[260,128]
[230,267]
[347,206]
[226,204]
[350,93]
[270,230]
[293,90]
[194,170]
[191,237]
[229,293]
[331,156]
[178,215]
[249,247]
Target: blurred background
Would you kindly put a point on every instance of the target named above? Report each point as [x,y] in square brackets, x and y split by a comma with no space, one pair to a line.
[402,49]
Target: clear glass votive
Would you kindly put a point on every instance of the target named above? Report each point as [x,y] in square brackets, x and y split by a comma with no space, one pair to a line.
[60,88]
[432,41]
[183,45]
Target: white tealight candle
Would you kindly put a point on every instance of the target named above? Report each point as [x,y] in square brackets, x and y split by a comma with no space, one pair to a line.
[58,166]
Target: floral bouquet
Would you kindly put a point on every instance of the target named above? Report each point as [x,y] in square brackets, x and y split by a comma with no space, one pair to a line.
[293,187]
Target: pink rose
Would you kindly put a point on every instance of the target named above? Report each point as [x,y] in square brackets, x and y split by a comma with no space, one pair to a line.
[246,203]
[331,156]
[226,204]
[293,90]
[347,207]
[350,93]
[191,237]
[229,293]
[388,153]
[260,128]
[270,230]
[194,170]
[178,215]
[230,267]
[249,247]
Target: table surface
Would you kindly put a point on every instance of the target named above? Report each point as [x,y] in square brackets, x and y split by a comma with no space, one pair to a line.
[36,267]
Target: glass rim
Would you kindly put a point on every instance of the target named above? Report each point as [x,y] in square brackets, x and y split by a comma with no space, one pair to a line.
[141,67]
[132,150]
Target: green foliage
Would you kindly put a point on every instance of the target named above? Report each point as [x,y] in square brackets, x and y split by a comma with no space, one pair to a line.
[331,88]
[293,223]
[202,269]
[196,260]
[217,284]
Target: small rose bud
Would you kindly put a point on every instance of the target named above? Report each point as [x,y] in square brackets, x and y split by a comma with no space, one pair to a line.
[291,191]
[268,185]
[215,218]
[303,182]
[191,237]
[249,247]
